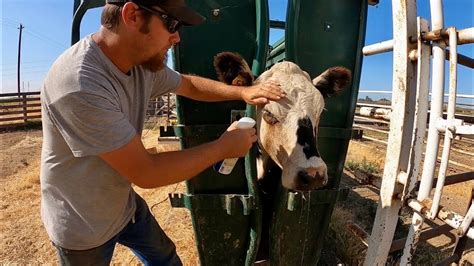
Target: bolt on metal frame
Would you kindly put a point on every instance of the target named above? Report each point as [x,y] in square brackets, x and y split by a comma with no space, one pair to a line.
[413,45]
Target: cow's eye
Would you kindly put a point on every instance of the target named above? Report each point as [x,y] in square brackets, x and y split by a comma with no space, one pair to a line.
[269,117]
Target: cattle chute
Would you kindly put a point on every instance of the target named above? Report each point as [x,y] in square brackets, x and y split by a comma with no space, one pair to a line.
[225,210]
[318,35]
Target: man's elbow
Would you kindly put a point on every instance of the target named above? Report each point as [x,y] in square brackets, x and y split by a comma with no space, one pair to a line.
[148,182]
[143,183]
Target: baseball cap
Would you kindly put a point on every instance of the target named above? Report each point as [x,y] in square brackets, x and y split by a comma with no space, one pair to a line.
[175,8]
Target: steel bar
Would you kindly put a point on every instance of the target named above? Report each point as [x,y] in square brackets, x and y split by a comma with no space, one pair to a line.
[399,243]
[419,207]
[374,91]
[421,110]
[359,232]
[463,36]
[372,120]
[466,223]
[456,126]
[375,140]
[463,60]
[437,88]
[371,129]
[447,261]
[449,134]
[464,166]
[466,36]
[437,22]
[458,178]
[450,217]
[378,48]
[467,96]
[277,24]
[424,235]
[375,105]
[401,126]
[361,126]
[470,233]
[460,246]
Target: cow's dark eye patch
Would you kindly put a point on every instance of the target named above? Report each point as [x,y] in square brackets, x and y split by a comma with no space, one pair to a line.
[269,117]
[306,138]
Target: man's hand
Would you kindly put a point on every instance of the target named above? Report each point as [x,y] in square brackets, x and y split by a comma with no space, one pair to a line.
[237,142]
[262,93]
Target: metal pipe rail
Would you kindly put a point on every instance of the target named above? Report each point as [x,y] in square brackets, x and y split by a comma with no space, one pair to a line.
[464,36]
[449,131]
[410,100]
[466,96]
[356,126]
[453,219]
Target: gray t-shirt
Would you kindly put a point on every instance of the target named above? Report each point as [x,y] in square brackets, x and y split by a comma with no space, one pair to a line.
[90,107]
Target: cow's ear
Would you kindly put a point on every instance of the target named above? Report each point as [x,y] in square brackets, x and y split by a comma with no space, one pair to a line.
[232,68]
[333,80]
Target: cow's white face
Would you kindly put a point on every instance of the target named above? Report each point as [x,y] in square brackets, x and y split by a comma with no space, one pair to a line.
[288,128]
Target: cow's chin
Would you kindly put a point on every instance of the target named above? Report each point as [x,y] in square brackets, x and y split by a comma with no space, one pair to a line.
[299,180]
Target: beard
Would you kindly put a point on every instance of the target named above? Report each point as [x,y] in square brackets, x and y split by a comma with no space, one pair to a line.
[155,63]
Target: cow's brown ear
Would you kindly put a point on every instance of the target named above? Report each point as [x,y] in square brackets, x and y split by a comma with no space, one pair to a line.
[230,66]
[333,80]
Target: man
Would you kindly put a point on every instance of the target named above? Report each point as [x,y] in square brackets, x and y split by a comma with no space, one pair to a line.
[94,101]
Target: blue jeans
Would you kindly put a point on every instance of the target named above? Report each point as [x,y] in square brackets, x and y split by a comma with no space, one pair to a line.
[143,236]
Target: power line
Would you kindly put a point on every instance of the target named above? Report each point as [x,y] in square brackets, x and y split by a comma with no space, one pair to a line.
[12,23]
[43,38]
[11,20]
[25,72]
[7,24]
[34,62]
[23,68]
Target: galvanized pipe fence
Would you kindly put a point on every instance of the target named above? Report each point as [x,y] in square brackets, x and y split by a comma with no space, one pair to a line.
[416,43]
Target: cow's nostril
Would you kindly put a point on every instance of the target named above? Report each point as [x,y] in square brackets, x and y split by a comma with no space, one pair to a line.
[304,178]
[322,177]
[312,171]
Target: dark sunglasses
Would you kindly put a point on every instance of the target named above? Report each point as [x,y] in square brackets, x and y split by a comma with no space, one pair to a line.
[172,24]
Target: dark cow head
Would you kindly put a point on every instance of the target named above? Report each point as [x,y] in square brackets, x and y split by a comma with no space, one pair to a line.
[287,129]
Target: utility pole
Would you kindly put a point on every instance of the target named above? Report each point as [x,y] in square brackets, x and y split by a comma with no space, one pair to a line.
[19,55]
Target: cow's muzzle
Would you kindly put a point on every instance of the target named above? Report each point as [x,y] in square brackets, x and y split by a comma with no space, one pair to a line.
[311,179]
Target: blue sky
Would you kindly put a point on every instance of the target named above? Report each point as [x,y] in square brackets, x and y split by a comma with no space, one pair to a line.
[48,28]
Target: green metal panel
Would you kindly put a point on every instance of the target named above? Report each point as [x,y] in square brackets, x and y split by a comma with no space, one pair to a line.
[226,231]
[319,34]
[232,29]
[80,9]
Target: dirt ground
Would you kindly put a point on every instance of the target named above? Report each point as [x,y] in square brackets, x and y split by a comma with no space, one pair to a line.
[455,197]
[22,236]
[23,239]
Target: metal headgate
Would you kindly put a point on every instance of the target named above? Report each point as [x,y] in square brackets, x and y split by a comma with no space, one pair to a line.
[414,46]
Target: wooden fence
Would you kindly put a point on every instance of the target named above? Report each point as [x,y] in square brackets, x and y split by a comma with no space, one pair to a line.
[19,108]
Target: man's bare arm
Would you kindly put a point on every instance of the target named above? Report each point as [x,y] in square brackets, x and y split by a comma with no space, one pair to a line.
[203,89]
[154,170]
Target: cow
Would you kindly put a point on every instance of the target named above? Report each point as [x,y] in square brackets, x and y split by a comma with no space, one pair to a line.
[287,129]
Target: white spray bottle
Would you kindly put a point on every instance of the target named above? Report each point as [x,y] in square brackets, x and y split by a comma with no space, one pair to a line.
[226,166]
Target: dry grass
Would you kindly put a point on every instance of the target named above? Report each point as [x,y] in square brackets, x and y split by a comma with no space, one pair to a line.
[23,239]
[341,241]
